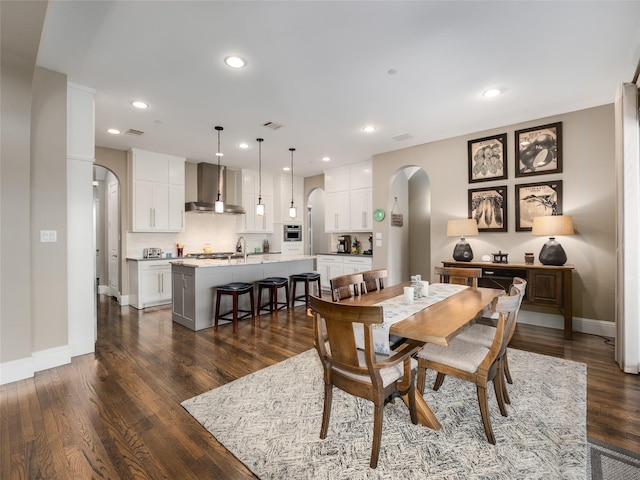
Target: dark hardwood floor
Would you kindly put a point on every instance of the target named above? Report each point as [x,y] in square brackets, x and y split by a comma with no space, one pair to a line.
[117,414]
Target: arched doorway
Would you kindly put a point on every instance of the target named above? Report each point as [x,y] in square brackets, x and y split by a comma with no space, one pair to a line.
[107,232]
[317,239]
[409,251]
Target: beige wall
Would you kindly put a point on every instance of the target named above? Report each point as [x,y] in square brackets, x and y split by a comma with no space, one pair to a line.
[588,195]
[23,21]
[49,209]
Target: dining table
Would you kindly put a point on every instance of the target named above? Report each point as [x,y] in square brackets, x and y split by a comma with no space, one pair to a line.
[436,323]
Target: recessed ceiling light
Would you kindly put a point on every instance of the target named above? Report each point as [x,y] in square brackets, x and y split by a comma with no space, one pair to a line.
[235,62]
[243,145]
[369,129]
[326,159]
[113,131]
[139,104]
[286,169]
[492,92]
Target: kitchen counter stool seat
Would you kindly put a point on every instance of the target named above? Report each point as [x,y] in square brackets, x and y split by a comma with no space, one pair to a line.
[272,284]
[235,289]
[307,278]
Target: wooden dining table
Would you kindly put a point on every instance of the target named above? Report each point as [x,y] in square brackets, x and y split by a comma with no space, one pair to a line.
[437,323]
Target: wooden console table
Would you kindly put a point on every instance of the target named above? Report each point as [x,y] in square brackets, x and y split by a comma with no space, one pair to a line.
[547,285]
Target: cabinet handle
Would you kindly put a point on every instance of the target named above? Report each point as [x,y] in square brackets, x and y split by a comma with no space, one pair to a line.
[184,283]
[335,220]
[159,282]
[363,219]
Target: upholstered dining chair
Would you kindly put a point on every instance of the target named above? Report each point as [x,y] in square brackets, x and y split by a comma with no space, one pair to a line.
[347,286]
[462,276]
[475,363]
[362,373]
[482,334]
[374,279]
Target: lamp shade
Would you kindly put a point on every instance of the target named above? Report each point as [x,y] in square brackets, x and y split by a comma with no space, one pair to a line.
[552,225]
[467,227]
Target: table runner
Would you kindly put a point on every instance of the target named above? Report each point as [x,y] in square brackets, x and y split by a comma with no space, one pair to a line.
[395,310]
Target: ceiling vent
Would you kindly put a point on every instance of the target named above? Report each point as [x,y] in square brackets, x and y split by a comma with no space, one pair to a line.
[272,125]
[134,132]
[401,136]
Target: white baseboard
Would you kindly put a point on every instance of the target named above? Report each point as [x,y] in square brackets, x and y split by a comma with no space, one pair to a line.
[103,289]
[582,325]
[22,368]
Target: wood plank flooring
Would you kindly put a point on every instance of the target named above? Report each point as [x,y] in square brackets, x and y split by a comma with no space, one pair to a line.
[116,413]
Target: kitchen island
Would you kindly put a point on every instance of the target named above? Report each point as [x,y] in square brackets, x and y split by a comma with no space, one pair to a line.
[194,282]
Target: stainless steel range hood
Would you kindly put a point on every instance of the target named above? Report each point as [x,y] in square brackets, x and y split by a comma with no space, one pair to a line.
[209,183]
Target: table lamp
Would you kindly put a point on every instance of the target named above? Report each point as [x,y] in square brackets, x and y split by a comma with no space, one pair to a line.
[462,228]
[552,252]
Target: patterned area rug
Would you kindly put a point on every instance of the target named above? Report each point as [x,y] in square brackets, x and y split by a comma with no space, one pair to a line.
[270,420]
[612,463]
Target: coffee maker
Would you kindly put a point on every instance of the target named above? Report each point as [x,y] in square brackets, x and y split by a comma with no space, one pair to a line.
[344,244]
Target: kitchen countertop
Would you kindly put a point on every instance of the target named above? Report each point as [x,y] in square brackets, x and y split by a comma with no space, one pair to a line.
[346,254]
[254,259]
[191,256]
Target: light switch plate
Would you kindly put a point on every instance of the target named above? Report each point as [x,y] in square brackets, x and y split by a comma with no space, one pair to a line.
[378,243]
[379,235]
[48,236]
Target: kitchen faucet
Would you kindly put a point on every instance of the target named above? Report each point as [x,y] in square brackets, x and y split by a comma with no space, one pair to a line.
[241,247]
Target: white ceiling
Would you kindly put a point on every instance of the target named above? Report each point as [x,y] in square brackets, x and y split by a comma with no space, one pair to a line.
[320,68]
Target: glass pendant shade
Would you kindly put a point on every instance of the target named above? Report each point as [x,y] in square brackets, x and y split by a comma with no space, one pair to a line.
[293,212]
[219,204]
[260,205]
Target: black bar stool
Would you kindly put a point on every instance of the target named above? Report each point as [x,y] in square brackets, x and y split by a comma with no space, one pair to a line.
[234,289]
[307,278]
[272,284]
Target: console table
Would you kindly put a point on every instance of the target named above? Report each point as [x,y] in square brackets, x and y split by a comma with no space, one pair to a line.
[547,285]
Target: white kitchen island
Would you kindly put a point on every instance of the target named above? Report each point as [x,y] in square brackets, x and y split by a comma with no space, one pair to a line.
[194,283]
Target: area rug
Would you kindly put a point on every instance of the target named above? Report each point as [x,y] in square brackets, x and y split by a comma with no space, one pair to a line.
[270,420]
[612,463]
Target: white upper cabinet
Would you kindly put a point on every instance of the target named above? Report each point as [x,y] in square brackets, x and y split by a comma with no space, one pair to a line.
[348,198]
[248,189]
[157,191]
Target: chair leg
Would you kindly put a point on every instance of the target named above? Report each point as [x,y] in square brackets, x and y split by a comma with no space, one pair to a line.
[421,377]
[484,412]
[377,434]
[293,294]
[438,383]
[306,294]
[215,324]
[326,413]
[503,383]
[235,313]
[507,373]
[498,388]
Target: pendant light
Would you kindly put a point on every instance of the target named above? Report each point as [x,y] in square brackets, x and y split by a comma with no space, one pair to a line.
[260,205]
[219,205]
[292,209]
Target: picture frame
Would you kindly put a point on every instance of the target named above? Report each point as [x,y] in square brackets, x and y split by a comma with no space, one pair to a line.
[539,150]
[488,206]
[487,158]
[537,200]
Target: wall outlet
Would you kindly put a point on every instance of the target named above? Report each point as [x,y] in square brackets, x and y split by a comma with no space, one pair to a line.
[48,236]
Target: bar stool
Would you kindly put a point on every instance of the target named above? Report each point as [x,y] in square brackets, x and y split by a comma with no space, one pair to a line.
[235,289]
[272,284]
[307,278]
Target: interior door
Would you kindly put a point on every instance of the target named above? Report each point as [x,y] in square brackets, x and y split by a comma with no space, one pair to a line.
[113,234]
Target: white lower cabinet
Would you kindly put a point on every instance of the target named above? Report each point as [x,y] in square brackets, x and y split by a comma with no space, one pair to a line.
[150,283]
[330,266]
[184,294]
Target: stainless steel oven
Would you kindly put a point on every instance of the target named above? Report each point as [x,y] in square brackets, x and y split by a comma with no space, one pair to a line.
[292,233]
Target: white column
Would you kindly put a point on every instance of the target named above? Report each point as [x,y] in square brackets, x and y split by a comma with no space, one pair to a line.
[81,250]
[628,228]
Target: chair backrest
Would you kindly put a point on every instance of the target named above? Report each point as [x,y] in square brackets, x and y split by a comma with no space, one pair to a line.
[462,276]
[347,286]
[507,306]
[374,279]
[333,323]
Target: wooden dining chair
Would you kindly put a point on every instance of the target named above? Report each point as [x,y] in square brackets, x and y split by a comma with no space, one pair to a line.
[461,276]
[362,373]
[475,363]
[347,286]
[374,279]
[482,334]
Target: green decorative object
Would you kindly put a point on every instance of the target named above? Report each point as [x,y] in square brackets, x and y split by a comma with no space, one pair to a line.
[378,215]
